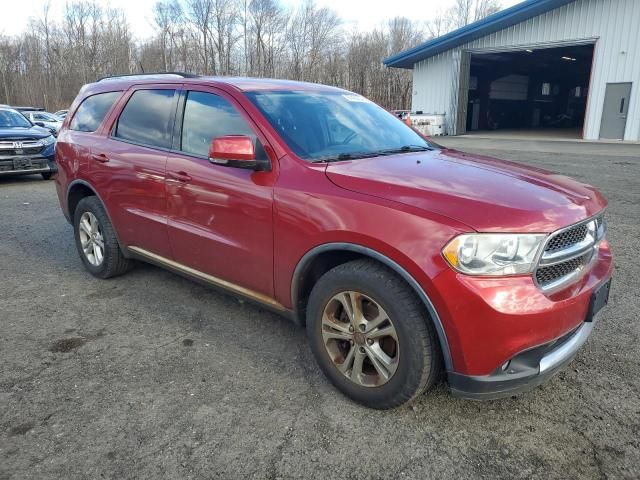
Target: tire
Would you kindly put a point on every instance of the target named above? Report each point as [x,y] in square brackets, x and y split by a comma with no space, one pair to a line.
[413,356]
[46,175]
[103,261]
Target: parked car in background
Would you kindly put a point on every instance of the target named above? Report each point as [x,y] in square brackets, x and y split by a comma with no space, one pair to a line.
[402,258]
[22,109]
[24,148]
[45,119]
[61,114]
[27,111]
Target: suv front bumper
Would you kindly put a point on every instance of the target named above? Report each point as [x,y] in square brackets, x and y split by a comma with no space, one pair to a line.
[32,165]
[523,372]
[506,336]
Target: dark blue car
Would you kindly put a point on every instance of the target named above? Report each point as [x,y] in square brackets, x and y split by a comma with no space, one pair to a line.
[25,148]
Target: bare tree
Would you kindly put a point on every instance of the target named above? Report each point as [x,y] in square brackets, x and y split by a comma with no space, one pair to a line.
[464,12]
[167,15]
[225,16]
[200,13]
[439,24]
[312,32]
[264,37]
[49,62]
[8,55]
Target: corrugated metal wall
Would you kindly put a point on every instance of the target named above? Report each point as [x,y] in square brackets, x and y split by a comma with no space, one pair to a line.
[613,24]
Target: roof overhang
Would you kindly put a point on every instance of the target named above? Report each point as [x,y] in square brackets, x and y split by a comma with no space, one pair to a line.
[493,23]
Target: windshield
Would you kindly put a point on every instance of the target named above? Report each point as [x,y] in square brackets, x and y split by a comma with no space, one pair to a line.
[44,117]
[9,118]
[323,126]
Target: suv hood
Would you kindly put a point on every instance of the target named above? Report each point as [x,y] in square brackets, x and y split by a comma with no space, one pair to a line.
[35,132]
[487,194]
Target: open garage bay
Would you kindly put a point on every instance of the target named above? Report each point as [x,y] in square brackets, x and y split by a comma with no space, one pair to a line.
[542,90]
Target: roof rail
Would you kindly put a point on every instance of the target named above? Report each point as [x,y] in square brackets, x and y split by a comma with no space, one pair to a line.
[148,75]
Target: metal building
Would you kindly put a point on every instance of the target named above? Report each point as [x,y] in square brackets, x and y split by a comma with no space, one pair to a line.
[558,67]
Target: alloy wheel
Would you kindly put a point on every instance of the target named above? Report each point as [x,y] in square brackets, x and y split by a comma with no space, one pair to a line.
[91,239]
[360,339]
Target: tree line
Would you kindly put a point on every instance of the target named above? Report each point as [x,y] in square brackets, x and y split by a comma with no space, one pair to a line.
[48,63]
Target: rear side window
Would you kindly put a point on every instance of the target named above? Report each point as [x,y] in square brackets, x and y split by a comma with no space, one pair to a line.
[207,116]
[92,111]
[147,118]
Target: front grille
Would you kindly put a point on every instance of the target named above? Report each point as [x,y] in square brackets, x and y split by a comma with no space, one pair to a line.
[567,252]
[11,152]
[17,138]
[546,275]
[19,147]
[567,238]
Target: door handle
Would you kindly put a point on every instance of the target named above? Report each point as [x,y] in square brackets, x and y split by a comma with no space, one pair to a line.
[179,176]
[100,157]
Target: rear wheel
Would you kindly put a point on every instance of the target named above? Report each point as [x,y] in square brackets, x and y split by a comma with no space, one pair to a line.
[96,240]
[371,335]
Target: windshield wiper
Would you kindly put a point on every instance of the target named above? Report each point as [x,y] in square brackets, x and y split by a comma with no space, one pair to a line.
[407,149]
[346,156]
[376,153]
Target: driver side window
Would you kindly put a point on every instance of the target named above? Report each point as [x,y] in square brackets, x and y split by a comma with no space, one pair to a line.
[207,116]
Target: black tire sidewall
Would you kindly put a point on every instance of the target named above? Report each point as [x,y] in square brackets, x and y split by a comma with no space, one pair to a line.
[93,205]
[413,358]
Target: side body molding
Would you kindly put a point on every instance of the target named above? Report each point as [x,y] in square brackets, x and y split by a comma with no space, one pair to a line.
[305,261]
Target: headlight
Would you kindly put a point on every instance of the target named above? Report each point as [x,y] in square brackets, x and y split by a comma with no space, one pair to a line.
[48,140]
[493,254]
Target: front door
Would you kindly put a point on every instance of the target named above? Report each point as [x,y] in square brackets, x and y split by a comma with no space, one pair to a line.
[220,218]
[616,108]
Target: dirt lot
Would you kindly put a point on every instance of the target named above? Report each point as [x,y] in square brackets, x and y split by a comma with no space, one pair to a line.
[153,376]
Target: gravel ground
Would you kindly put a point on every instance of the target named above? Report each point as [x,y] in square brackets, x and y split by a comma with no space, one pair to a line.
[152,376]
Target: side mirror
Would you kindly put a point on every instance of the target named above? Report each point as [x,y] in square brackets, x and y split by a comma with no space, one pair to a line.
[39,124]
[233,151]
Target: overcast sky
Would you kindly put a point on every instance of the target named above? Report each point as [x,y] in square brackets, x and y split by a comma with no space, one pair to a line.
[357,14]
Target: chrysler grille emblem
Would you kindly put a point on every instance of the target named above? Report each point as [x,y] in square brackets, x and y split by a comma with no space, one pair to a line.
[17,145]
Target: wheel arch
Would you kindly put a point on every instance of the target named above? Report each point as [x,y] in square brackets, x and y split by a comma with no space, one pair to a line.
[76,191]
[79,189]
[330,255]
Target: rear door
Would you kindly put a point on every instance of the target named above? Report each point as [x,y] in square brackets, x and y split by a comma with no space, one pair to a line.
[129,165]
[83,130]
[220,218]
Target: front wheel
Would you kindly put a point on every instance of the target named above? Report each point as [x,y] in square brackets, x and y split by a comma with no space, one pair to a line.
[371,335]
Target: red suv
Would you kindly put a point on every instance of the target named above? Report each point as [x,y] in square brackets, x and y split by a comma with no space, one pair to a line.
[402,258]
